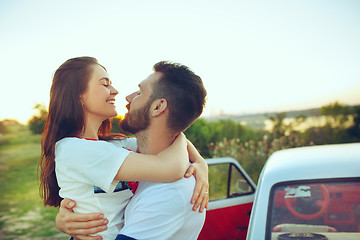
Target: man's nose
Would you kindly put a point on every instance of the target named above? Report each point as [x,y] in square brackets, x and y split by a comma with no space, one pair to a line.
[130,97]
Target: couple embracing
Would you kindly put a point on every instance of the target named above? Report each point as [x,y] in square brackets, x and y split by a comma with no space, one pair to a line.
[154,186]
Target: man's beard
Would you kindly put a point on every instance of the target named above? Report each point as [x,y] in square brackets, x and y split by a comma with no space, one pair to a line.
[136,121]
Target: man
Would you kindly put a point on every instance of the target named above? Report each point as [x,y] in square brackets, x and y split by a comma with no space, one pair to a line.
[167,103]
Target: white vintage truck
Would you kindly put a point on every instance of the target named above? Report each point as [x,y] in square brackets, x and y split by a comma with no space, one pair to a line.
[307,193]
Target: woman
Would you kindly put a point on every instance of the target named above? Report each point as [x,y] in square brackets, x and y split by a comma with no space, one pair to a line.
[87,169]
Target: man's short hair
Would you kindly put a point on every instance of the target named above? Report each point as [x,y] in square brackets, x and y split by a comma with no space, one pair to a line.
[184,92]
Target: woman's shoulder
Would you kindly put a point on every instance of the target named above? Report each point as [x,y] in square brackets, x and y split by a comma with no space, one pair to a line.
[71,141]
[70,144]
[67,141]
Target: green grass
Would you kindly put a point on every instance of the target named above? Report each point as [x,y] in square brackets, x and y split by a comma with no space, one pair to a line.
[22,214]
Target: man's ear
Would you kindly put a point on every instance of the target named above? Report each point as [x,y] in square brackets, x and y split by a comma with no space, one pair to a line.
[158,107]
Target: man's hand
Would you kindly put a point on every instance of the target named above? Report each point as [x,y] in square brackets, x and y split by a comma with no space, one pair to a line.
[79,225]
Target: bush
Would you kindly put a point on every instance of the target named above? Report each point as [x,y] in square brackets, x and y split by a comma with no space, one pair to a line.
[3,128]
[253,154]
[37,122]
[204,132]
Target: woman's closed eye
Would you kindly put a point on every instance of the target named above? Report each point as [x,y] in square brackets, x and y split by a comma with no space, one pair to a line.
[106,82]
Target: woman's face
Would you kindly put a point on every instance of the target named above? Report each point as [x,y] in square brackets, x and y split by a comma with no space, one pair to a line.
[99,97]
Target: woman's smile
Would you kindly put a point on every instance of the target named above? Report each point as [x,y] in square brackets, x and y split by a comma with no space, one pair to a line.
[111,101]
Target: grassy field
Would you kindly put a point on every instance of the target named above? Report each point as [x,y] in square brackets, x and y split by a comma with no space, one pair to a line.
[22,214]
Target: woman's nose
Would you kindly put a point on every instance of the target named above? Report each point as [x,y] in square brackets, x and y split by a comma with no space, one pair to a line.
[114,91]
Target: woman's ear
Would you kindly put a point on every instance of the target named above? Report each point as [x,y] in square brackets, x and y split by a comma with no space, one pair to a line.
[158,107]
[81,100]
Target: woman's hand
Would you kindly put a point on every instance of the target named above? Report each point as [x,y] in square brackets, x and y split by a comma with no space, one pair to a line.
[79,225]
[199,169]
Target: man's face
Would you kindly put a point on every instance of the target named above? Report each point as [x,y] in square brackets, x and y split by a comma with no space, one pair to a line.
[138,116]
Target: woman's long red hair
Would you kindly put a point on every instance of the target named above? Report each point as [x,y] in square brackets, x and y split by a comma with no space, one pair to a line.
[65,119]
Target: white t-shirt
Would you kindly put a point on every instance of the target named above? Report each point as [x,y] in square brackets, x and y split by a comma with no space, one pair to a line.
[85,171]
[163,211]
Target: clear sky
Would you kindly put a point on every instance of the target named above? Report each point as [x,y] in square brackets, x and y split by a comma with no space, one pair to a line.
[253,56]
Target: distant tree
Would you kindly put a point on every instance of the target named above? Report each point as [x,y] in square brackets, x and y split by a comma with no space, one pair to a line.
[203,133]
[341,126]
[320,135]
[3,128]
[278,126]
[354,130]
[300,119]
[37,122]
[337,114]
[115,125]
[115,128]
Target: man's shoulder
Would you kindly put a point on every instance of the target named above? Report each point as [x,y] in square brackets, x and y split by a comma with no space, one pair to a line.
[182,184]
[182,188]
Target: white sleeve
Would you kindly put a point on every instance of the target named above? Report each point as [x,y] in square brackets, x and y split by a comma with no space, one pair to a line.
[155,215]
[127,143]
[90,162]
